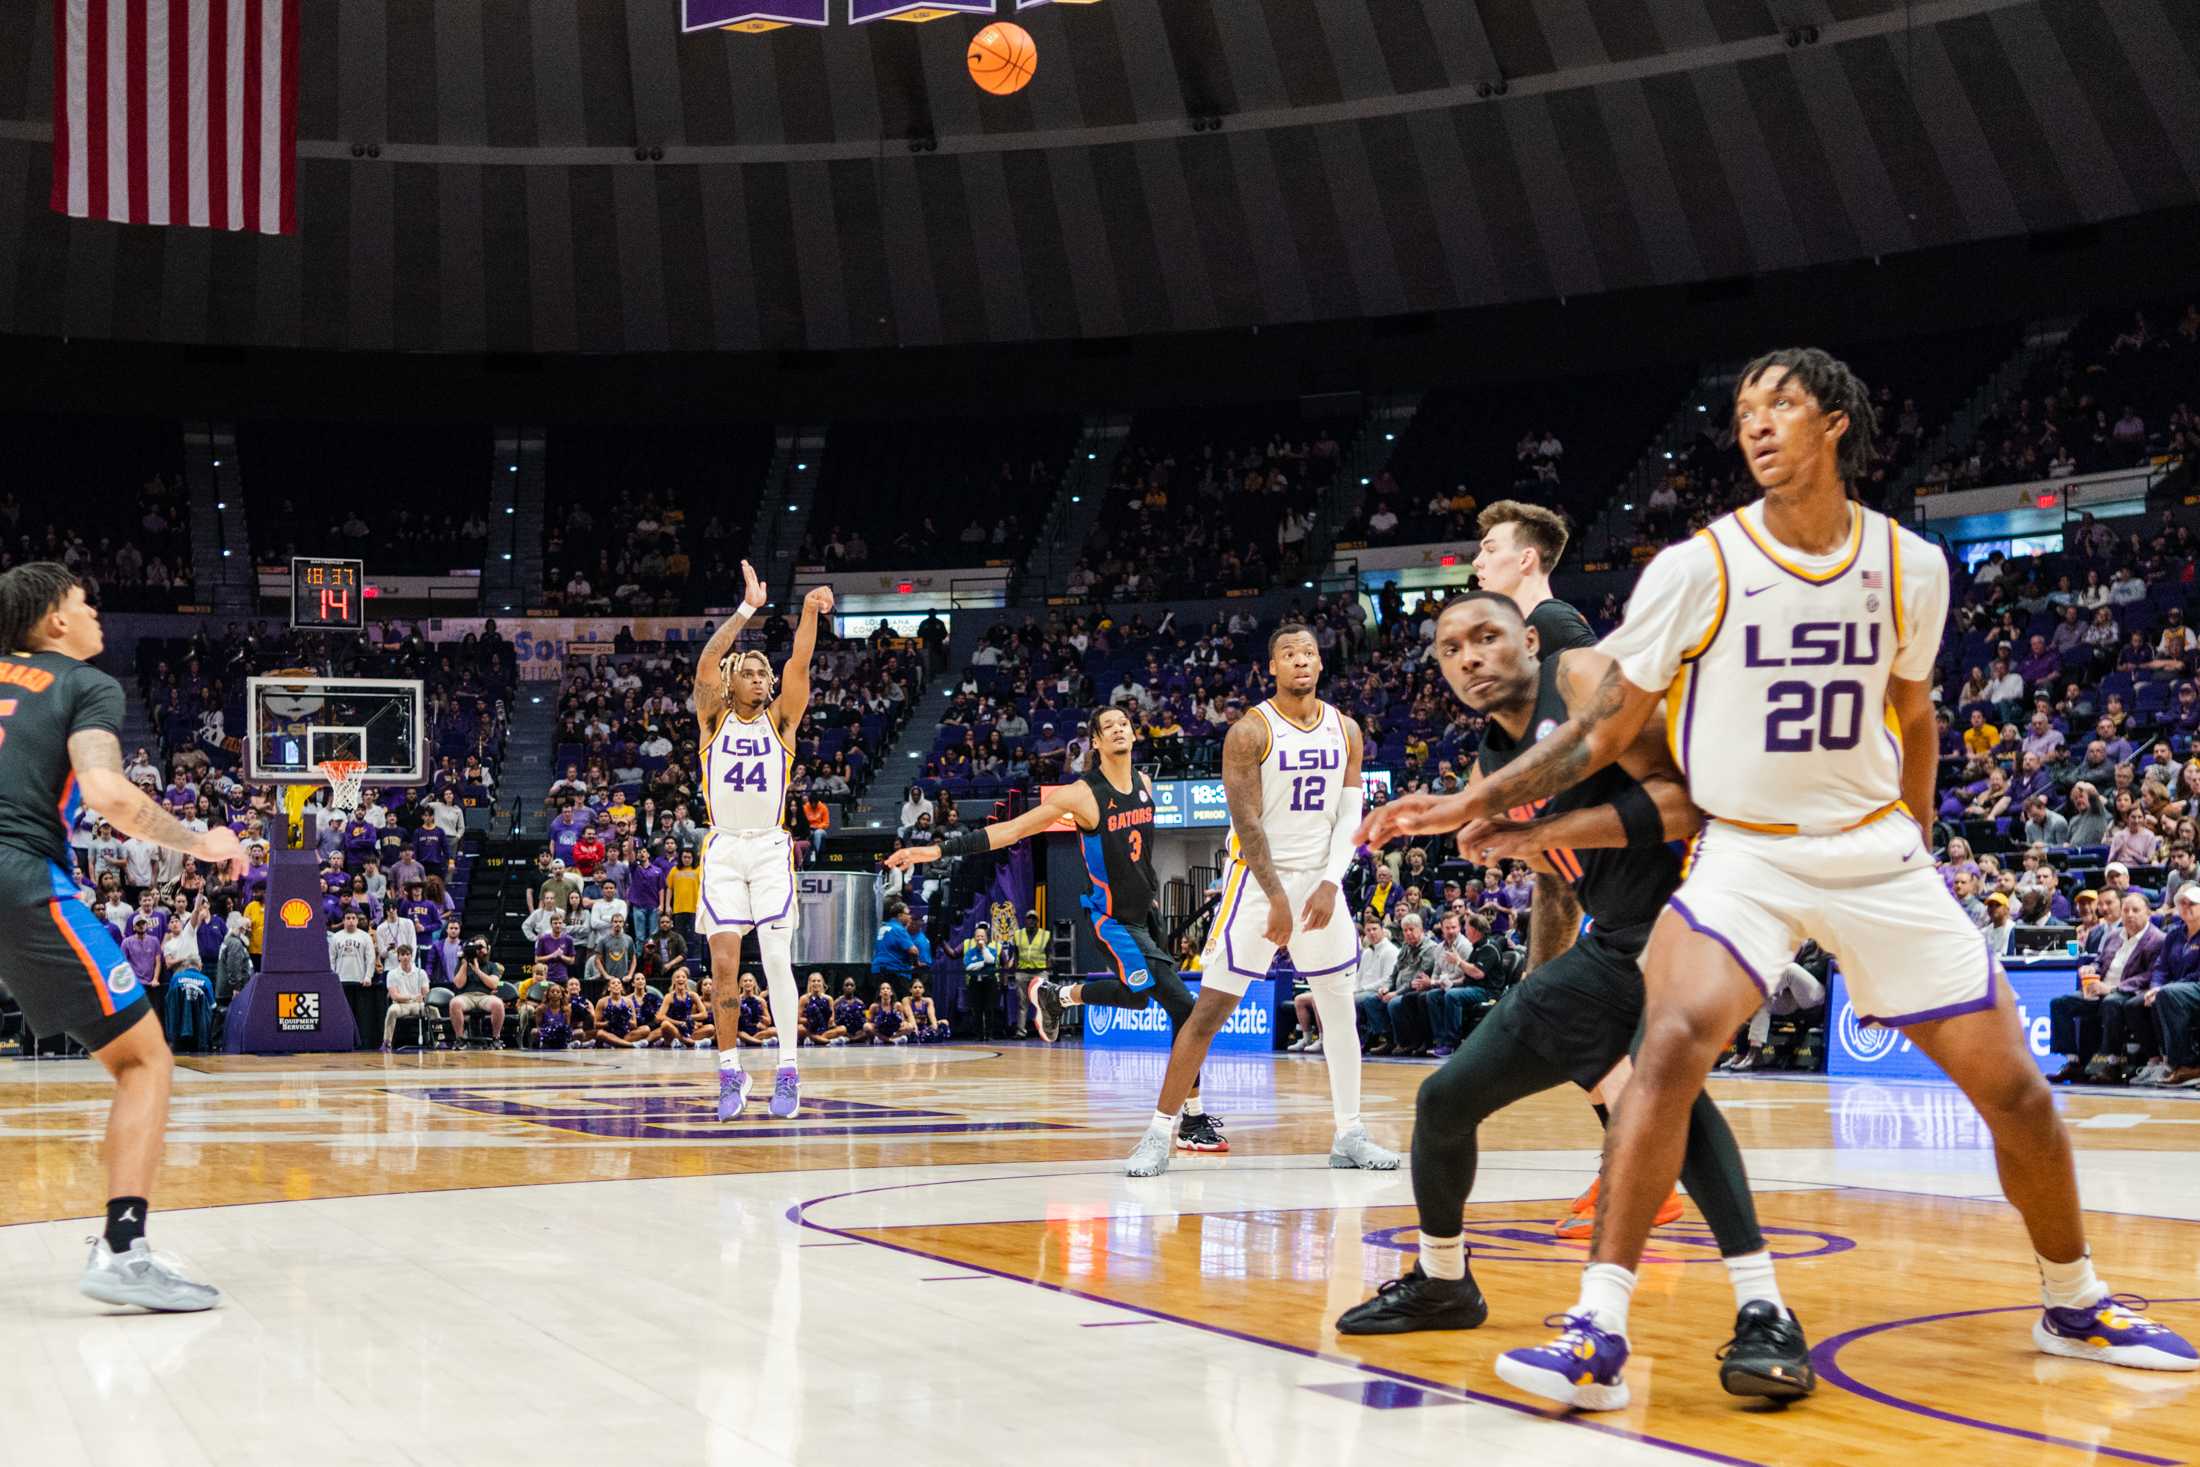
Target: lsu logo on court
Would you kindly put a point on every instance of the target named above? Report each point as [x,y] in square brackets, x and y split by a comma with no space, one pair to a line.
[298,1012]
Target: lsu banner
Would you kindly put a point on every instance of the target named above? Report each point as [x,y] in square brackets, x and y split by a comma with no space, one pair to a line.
[542,642]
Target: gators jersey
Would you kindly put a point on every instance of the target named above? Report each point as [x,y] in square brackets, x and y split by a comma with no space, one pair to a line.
[1119,852]
[44,698]
[1619,888]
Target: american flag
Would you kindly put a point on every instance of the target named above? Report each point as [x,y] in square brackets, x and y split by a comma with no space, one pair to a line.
[1874,581]
[177,112]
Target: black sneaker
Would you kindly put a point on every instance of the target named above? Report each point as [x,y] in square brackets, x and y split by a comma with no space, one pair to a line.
[1414,1301]
[1200,1133]
[1046,1009]
[1768,1355]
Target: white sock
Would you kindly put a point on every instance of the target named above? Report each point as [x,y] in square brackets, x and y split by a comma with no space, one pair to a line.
[1444,1258]
[1194,1107]
[1341,1052]
[729,1059]
[1606,1289]
[2070,1285]
[1161,1122]
[778,951]
[1751,1275]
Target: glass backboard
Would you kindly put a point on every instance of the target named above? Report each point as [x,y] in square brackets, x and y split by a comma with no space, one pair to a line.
[293,723]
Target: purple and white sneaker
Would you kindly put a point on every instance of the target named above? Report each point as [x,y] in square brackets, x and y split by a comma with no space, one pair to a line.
[2114,1332]
[786,1098]
[1579,1369]
[733,1092]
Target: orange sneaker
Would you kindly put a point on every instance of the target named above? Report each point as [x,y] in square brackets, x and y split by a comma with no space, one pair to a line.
[1582,1224]
[1586,1203]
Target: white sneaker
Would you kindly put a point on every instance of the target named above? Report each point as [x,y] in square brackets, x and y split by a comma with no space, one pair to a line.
[1296,1046]
[1314,1045]
[1151,1158]
[140,1277]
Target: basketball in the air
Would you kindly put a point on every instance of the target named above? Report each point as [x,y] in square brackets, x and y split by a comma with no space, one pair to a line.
[1003,58]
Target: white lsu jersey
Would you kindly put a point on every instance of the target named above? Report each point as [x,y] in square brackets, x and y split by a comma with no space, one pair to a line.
[1300,777]
[746,767]
[1776,665]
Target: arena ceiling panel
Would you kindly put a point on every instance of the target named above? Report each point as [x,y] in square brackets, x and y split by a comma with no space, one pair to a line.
[1358,168]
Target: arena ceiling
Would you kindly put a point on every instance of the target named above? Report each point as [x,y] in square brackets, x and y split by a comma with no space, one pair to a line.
[1367,164]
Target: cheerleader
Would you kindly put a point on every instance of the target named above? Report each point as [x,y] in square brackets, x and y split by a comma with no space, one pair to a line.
[849,1015]
[920,1019]
[680,1011]
[554,1025]
[816,1017]
[756,1019]
[615,1028]
[885,1016]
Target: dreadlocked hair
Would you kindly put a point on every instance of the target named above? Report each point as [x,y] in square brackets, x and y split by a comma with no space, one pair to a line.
[734,659]
[27,593]
[1838,390]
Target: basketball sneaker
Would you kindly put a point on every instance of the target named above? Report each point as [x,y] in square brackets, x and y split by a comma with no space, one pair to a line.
[1355,1149]
[1046,1009]
[733,1092]
[1583,1224]
[1200,1133]
[1151,1158]
[1580,1369]
[2115,1331]
[139,1277]
[786,1101]
[1768,1355]
[1413,1302]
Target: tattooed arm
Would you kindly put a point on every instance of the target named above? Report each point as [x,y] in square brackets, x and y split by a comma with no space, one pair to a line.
[710,683]
[1243,749]
[1609,712]
[96,756]
[1554,920]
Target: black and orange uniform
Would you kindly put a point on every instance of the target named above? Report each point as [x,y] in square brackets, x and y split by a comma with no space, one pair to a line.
[63,967]
[1121,902]
[1559,627]
[1574,1017]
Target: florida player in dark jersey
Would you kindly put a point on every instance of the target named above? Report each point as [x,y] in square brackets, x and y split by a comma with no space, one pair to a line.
[60,749]
[1111,805]
[1577,1011]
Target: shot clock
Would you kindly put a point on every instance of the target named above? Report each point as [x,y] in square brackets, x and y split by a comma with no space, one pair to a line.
[327,595]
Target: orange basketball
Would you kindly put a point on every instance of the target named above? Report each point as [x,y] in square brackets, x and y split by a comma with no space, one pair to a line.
[1003,58]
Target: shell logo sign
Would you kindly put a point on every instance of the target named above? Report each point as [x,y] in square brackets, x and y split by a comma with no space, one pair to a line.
[296,912]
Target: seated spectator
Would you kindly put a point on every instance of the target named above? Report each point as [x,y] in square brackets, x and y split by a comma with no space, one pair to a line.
[2094,1025]
[407,983]
[476,989]
[1417,956]
[2176,1001]
[2134,842]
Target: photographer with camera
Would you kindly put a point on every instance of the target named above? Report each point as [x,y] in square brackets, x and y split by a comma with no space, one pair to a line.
[478,986]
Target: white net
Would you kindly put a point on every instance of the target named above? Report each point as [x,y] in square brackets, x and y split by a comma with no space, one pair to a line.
[346,780]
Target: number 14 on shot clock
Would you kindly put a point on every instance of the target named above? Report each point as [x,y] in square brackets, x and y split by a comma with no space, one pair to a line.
[327,595]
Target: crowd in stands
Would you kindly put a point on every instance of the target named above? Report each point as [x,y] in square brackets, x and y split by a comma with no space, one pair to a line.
[2119,393]
[974,490]
[642,521]
[410,498]
[136,556]
[1206,502]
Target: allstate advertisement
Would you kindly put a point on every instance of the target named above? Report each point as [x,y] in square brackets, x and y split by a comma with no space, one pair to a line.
[1861,1052]
[1251,1029]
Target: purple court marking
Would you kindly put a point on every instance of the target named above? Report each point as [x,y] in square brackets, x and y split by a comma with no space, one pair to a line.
[1117,1323]
[1510,1238]
[825,1245]
[1829,1368]
[1383,1395]
[953,1278]
[795,1215]
[673,1116]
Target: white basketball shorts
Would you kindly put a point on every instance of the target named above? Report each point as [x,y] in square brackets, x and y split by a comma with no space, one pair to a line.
[748,881]
[1237,952]
[1870,896]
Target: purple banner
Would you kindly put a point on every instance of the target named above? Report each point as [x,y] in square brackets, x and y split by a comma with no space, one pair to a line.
[860,11]
[751,15]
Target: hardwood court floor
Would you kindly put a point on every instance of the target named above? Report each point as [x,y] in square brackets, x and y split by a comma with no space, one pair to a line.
[505,1258]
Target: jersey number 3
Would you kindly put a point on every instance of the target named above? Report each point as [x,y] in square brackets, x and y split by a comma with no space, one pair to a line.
[1138,846]
[745,777]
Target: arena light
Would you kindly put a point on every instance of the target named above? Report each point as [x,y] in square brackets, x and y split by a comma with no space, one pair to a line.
[1363,481]
[2047,499]
[221,504]
[217,463]
[1447,561]
[904,588]
[1077,499]
[1390,438]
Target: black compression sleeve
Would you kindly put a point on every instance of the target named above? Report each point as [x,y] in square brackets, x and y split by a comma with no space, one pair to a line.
[1638,816]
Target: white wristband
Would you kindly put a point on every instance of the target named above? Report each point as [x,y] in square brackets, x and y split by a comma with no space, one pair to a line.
[1342,852]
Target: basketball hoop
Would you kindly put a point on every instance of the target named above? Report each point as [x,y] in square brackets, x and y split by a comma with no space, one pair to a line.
[345,779]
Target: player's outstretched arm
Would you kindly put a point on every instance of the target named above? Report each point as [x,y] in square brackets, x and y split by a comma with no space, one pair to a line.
[96,756]
[1072,802]
[1608,714]
[710,685]
[1243,749]
[794,682]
